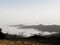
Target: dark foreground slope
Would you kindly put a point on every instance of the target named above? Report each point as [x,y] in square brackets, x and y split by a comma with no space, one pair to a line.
[53,39]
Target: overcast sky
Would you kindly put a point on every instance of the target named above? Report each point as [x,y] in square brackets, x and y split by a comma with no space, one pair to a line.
[29,12]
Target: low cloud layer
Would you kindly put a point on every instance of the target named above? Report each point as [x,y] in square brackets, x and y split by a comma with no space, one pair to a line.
[26,32]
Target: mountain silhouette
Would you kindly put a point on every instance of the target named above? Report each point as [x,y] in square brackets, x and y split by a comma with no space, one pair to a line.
[40,27]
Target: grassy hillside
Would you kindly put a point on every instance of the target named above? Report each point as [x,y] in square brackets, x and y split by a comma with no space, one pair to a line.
[10,42]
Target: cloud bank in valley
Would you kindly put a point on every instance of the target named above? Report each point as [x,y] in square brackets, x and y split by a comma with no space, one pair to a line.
[25,32]
[42,30]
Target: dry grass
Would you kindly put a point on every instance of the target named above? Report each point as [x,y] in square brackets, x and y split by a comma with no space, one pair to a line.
[9,42]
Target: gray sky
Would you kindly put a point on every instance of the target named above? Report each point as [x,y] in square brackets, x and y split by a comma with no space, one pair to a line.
[29,12]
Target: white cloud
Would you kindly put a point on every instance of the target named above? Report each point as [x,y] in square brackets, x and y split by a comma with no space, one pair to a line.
[25,32]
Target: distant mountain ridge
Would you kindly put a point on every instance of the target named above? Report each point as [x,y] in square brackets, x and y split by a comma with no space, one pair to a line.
[40,27]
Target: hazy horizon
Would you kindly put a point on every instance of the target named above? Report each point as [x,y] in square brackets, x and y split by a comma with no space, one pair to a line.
[29,12]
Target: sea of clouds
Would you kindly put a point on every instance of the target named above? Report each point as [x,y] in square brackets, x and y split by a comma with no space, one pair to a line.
[25,32]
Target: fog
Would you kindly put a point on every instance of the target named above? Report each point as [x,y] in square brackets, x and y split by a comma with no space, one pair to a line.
[25,32]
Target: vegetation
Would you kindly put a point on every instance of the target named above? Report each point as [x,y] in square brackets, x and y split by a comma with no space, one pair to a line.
[9,42]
